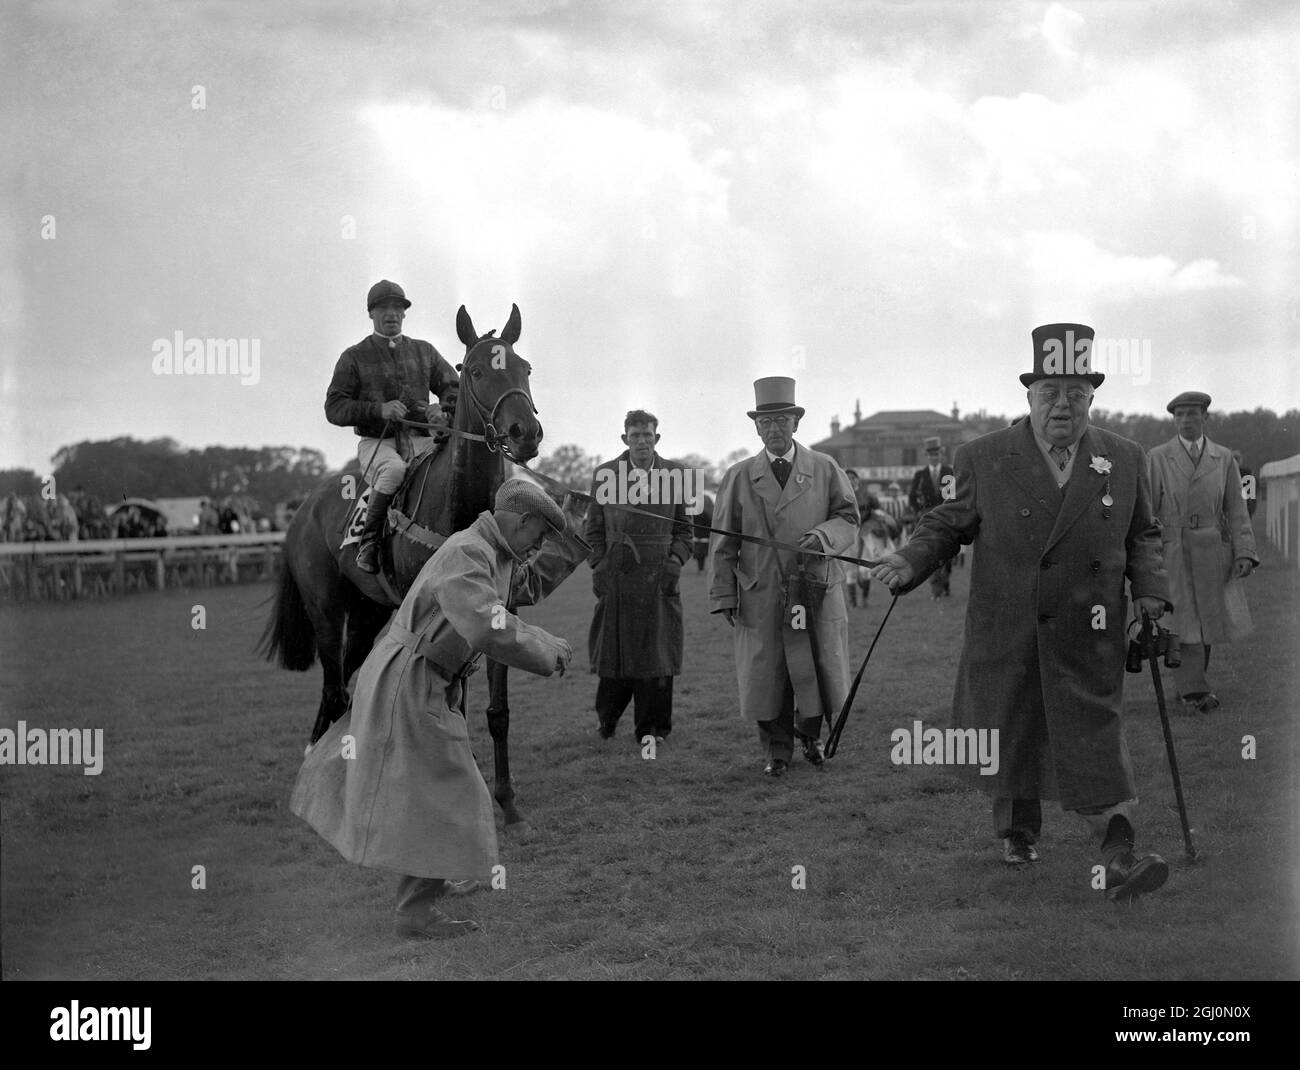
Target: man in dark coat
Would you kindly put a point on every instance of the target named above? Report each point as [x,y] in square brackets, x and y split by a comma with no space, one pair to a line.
[1061,515]
[636,562]
[928,490]
[377,381]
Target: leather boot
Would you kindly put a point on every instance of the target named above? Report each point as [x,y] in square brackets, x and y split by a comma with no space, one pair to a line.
[373,532]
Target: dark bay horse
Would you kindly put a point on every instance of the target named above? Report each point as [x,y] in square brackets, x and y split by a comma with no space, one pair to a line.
[327,607]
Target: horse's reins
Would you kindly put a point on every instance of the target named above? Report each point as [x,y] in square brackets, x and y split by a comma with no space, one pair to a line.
[833,739]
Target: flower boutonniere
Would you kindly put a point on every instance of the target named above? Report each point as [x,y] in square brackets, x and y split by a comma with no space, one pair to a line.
[1100,465]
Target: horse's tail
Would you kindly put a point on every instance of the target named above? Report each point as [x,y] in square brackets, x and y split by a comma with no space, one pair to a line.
[289,635]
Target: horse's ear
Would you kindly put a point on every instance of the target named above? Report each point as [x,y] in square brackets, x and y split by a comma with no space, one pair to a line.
[510,332]
[465,327]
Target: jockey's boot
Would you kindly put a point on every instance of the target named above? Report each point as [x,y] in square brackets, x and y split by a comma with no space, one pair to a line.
[373,532]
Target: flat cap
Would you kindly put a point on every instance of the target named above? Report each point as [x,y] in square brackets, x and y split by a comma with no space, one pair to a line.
[934,442]
[521,496]
[382,291]
[1190,397]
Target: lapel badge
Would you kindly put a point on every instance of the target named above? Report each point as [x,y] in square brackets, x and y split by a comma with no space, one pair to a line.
[798,479]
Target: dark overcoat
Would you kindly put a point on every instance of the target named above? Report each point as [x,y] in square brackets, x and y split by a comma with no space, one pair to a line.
[636,630]
[1043,655]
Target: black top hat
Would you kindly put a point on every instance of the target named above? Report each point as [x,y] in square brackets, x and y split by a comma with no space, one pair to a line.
[1063,349]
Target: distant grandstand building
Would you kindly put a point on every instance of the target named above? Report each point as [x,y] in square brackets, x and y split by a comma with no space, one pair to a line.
[886,447]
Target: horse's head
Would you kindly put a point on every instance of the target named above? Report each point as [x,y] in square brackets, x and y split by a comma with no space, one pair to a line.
[494,389]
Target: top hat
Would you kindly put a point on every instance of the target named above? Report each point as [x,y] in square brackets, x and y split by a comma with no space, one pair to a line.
[382,291]
[933,443]
[774,394]
[1190,397]
[1062,349]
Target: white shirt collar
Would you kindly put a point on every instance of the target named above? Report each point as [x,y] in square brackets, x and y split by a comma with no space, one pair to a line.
[1187,443]
[384,339]
[787,456]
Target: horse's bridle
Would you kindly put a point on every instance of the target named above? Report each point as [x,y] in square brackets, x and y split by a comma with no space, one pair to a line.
[493,439]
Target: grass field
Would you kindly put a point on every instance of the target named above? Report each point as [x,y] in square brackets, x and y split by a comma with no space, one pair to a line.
[677,867]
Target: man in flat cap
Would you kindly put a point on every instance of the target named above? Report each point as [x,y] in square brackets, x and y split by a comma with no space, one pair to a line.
[377,381]
[930,485]
[393,784]
[1209,546]
[1060,514]
[787,608]
[636,634]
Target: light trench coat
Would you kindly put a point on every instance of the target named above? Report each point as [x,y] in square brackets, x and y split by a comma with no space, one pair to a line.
[771,653]
[411,798]
[1204,528]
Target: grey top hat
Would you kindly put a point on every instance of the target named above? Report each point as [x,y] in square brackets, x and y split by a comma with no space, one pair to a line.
[774,395]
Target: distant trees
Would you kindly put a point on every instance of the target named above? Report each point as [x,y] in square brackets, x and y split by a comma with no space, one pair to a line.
[160,468]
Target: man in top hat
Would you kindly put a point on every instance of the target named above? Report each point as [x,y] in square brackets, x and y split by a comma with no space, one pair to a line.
[377,381]
[393,784]
[1209,546]
[787,608]
[1060,514]
[930,485]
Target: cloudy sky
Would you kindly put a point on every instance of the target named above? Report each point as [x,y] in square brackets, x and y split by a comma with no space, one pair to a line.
[878,198]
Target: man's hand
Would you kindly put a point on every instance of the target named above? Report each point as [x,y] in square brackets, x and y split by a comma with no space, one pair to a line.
[810,540]
[564,656]
[1243,567]
[893,571]
[393,410]
[433,415]
[1151,607]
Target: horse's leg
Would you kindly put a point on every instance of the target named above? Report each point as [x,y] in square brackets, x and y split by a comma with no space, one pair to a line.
[366,619]
[498,718]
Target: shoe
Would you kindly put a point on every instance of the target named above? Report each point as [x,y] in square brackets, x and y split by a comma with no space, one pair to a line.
[1018,851]
[467,887]
[432,924]
[1127,877]
[1208,703]
[659,739]
[606,731]
[814,752]
[775,767]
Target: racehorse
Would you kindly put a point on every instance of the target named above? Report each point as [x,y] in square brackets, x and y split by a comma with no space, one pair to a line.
[327,607]
[878,535]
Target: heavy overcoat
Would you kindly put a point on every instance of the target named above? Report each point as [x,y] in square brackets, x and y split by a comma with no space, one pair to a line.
[394,784]
[636,630]
[772,654]
[1043,655]
[1205,526]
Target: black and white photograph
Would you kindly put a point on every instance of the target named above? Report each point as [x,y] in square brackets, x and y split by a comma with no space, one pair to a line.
[803,490]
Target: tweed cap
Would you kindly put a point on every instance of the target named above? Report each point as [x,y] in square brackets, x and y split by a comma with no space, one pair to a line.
[1190,397]
[521,496]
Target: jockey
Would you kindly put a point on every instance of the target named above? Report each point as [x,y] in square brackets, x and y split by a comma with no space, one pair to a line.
[387,376]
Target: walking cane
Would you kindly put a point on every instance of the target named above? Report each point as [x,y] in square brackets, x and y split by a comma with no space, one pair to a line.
[1148,639]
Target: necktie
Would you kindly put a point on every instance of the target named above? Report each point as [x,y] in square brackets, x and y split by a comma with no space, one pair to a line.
[1061,455]
[1195,451]
[781,469]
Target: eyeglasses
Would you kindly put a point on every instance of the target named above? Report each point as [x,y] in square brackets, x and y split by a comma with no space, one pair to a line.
[766,422]
[1050,395]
